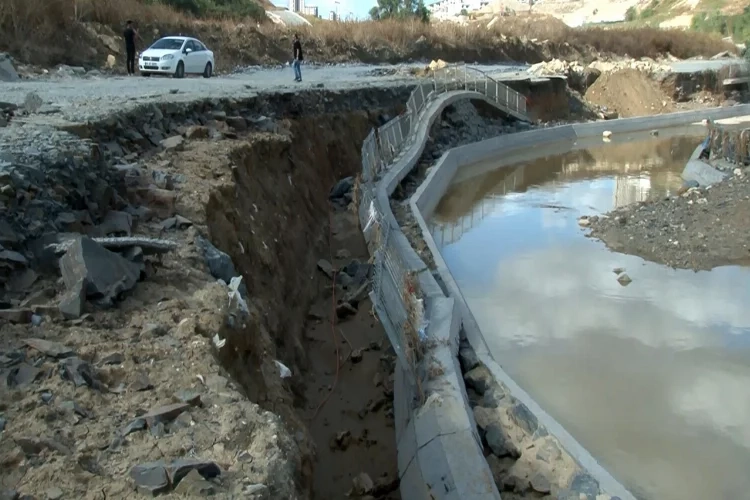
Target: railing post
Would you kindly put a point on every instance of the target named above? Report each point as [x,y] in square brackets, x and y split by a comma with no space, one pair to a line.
[507,95]
[466,78]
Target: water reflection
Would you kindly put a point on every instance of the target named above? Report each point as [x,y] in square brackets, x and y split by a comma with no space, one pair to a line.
[653,378]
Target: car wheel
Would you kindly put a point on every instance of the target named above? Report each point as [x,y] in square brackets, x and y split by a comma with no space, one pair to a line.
[145,74]
[180,71]
[208,71]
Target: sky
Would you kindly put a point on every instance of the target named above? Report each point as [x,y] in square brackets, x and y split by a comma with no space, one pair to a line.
[358,8]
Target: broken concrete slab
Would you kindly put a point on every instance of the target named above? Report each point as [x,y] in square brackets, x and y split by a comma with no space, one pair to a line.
[105,273]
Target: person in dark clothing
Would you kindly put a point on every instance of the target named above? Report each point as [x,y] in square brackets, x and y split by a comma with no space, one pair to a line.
[297,50]
[130,34]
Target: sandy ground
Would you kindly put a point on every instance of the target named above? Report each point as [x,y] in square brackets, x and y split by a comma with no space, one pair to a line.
[698,229]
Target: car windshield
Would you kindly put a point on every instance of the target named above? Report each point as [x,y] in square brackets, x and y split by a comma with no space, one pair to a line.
[168,44]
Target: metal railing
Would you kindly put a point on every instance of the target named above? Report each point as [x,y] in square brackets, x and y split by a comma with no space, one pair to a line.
[396,294]
[729,143]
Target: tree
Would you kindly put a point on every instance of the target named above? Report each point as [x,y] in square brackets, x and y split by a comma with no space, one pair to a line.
[400,9]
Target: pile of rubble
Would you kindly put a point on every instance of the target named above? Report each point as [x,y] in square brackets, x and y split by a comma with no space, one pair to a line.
[581,77]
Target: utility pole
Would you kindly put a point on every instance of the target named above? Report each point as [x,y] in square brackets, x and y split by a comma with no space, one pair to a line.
[337,9]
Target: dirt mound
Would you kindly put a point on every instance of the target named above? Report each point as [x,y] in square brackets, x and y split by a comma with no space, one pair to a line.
[629,93]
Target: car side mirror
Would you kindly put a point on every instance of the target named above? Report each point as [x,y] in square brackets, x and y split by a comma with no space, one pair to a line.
[188,51]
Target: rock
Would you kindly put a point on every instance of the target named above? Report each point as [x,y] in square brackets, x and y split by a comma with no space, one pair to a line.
[14,258]
[22,280]
[74,407]
[178,222]
[480,379]
[196,132]
[80,373]
[35,445]
[468,358]
[138,424]
[173,142]
[3,423]
[590,76]
[153,330]
[22,375]
[356,356]
[219,264]
[583,484]
[496,440]
[180,468]
[32,103]
[7,71]
[164,414]
[115,358]
[493,398]
[191,398]
[151,478]
[341,440]
[326,267]
[237,123]
[342,187]
[54,493]
[607,134]
[345,309]
[116,223]
[362,485]
[624,279]
[540,484]
[73,301]
[9,495]
[193,485]
[584,221]
[52,349]
[141,383]
[105,273]
[111,61]
[20,316]
[161,201]
[523,418]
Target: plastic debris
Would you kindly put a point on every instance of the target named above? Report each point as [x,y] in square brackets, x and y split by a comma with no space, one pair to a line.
[218,341]
[284,372]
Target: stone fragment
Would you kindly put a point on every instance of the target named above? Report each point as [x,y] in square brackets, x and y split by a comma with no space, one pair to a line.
[73,301]
[20,316]
[341,188]
[326,267]
[237,123]
[523,418]
[180,468]
[164,414]
[496,440]
[191,398]
[80,373]
[105,273]
[7,71]
[137,424]
[151,477]
[362,485]
[153,330]
[22,375]
[35,445]
[74,407]
[624,279]
[141,383]
[173,142]
[54,493]
[479,379]
[116,223]
[52,349]
[115,358]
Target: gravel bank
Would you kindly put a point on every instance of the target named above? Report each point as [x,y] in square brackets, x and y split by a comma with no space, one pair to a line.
[699,228]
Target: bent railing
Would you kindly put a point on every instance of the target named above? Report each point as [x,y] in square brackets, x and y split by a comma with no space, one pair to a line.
[396,294]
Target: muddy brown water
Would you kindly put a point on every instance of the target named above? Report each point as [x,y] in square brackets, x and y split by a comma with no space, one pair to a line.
[652,378]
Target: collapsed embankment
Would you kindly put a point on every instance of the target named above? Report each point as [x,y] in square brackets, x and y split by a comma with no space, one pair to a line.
[147,373]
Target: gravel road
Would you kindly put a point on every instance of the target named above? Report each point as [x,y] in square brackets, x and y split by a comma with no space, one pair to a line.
[75,99]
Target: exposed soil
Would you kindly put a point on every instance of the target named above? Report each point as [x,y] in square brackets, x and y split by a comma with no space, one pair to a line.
[629,93]
[174,338]
[700,228]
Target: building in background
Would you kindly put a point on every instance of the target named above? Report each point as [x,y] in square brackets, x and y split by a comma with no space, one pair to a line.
[445,9]
[332,16]
[297,6]
[310,10]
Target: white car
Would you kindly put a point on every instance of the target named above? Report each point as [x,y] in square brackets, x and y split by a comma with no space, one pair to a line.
[176,56]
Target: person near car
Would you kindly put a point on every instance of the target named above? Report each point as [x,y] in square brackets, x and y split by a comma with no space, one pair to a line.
[130,34]
[297,54]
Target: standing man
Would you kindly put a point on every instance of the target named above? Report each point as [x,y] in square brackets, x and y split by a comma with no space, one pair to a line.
[130,34]
[297,49]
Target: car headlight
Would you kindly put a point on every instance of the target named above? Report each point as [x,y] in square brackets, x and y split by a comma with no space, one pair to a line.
[167,57]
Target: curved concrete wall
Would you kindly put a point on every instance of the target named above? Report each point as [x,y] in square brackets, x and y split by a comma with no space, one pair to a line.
[521,146]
